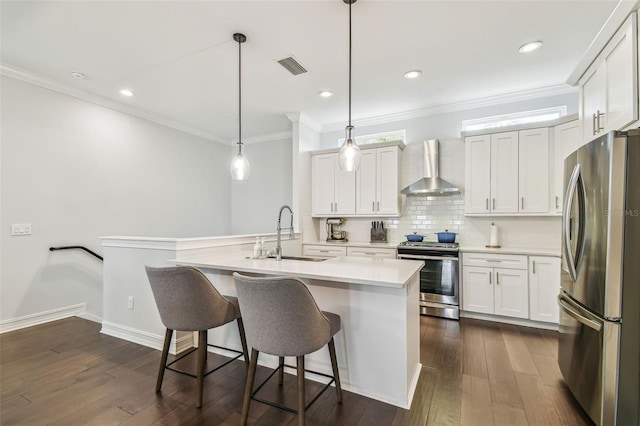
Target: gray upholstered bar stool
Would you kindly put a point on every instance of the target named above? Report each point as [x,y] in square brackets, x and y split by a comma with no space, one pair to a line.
[187,301]
[282,319]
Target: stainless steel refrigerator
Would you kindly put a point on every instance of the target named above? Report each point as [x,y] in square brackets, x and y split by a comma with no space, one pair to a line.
[599,349]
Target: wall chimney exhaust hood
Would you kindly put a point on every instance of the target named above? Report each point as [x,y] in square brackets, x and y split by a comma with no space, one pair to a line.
[431,184]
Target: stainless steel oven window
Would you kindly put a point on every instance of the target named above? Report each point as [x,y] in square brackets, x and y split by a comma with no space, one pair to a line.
[439,277]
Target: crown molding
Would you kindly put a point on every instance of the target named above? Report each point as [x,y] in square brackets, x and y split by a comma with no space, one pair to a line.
[617,17]
[85,95]
[278,136]
[305,119]
[560,89]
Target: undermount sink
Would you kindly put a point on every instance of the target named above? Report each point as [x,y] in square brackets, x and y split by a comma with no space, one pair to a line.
[306,259]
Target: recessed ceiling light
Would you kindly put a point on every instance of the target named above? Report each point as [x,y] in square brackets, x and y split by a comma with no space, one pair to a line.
[126,92]
[78,75]
[412,74]
[325,93]
[530,47]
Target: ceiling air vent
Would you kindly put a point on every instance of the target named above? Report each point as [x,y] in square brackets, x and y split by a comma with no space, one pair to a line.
[292,66]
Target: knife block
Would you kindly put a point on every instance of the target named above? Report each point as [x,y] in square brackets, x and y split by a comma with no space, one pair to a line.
[378,235]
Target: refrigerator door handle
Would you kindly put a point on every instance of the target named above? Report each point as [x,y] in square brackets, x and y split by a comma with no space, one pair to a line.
[582,319]
[576,185]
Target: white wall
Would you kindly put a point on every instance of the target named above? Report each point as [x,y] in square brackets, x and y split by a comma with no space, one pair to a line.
[77,171]
[255,202]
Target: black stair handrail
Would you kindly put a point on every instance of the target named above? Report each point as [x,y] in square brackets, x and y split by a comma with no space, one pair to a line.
[77,247]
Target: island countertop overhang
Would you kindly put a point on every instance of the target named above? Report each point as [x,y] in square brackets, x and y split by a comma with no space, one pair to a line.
[393,273]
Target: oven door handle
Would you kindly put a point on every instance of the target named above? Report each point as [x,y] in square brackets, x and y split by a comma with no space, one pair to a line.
[421,257]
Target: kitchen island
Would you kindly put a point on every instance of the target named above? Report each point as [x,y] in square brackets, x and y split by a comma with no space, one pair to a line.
[377,299]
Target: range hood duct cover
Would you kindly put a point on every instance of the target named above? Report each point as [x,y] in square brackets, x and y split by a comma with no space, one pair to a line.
[431,183]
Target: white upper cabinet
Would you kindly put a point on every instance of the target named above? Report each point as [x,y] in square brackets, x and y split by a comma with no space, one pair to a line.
[534,170]
[504,172]
[609,88]
[370,191]
[477,174]
[567,137]
[508,172]
[377,181]
[333,190]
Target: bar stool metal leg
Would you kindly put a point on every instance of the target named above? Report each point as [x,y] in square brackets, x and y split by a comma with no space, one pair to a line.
[334,366]
[163,360]
[251,376]
[301,397]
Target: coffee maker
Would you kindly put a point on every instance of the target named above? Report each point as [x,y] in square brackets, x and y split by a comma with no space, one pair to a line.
[334,233]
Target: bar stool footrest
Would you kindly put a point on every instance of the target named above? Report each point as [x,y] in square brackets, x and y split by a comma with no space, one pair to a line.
[192,350]
[284,407]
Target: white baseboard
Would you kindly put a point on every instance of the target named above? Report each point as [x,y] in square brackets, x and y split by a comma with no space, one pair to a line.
[507,320]
[147,339]
[42,317]
[91,317]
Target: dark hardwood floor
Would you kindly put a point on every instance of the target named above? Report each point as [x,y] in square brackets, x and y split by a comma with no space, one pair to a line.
[474,373]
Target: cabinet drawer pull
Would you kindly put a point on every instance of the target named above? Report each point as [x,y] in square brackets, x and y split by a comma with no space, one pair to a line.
[324,251]
[493,260]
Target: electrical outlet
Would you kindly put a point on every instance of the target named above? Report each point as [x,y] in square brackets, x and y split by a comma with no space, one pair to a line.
[20,229]
[130,303]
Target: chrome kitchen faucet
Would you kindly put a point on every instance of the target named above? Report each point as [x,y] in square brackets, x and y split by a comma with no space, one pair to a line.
[279,229]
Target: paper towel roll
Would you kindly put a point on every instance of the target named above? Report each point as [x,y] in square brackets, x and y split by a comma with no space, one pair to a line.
[493,239]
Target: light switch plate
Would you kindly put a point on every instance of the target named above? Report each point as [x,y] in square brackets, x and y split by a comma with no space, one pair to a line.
[20,229]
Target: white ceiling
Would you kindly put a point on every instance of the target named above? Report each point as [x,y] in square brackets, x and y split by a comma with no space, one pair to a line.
[180,60]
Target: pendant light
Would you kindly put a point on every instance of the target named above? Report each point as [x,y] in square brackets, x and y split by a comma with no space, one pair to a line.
[240,165]
[349,156]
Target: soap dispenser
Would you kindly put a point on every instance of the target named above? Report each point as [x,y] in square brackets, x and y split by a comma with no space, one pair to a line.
[257,249]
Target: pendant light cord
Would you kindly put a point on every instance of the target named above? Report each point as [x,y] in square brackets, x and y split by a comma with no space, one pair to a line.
[239,97]
[350,63]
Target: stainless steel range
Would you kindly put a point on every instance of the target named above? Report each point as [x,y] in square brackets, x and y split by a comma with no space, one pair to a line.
[439,278]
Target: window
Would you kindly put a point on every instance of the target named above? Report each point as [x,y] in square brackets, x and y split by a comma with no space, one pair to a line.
[523,117]
[397,135]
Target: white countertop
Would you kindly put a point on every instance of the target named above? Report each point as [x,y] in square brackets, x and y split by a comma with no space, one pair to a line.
[513,250]
[357,270]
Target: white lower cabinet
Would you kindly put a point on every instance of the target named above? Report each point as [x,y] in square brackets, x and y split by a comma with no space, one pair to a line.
[544,286]
[495,284]
[382,253]
[323,251]
[320,250]
[495,291]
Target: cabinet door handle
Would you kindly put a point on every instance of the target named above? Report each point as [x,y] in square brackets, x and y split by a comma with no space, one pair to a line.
[593,125]
[490,278]
[487,203]
[522,202]
[600,114]
[494,203]
[534,266]
[378,205]
[373,206]
[335,207]
[557,202]
[497,278]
